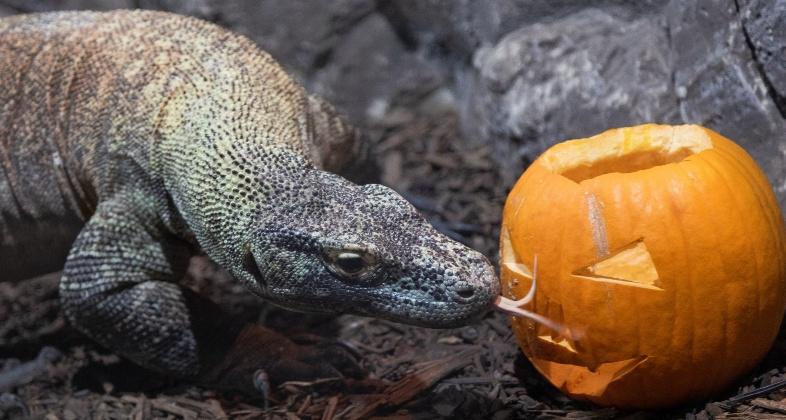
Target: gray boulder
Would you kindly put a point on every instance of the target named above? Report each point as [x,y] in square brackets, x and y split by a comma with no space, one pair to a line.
[572,77]
[720,84]
[764,24]
[593,69]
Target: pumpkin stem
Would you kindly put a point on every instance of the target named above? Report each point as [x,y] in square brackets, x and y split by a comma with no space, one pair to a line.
[514,308]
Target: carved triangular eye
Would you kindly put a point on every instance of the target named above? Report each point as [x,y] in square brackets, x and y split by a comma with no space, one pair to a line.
[630,265]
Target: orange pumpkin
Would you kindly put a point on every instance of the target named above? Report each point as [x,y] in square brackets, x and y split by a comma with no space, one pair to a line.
[661,248]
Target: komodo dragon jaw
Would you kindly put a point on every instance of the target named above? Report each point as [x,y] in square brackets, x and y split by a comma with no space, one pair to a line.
[365,250]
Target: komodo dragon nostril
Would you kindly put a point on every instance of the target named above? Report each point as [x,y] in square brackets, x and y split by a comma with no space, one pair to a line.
[464,293]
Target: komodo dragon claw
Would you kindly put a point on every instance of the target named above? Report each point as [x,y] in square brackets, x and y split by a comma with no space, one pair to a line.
[262,384]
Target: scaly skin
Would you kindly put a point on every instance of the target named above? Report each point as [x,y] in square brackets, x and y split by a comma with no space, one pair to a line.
[130,140]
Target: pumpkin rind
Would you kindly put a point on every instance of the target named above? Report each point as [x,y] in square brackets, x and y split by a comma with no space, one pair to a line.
[673,271]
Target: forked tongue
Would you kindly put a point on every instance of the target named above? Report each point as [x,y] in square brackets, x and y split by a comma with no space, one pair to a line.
[514,308]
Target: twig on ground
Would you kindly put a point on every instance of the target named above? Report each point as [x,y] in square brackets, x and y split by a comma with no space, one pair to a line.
[758,392]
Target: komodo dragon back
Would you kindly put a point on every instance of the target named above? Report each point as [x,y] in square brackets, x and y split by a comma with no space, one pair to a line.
[131,139]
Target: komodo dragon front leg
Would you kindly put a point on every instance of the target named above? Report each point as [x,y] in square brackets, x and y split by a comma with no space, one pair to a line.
[118,288]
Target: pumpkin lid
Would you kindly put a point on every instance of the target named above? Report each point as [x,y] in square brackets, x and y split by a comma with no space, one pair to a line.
[623,150]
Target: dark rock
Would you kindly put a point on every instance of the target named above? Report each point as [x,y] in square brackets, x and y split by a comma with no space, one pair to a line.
[764,23]
[719,84]
[572,77]
[7,11]
[458,27]
[203,9]
[597,68]
[30,6]
[373,72]
[340,49]
[300,34]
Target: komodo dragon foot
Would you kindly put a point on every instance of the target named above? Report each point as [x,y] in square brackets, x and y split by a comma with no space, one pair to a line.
[261,359]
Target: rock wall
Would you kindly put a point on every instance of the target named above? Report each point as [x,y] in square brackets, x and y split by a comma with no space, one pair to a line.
[524,74]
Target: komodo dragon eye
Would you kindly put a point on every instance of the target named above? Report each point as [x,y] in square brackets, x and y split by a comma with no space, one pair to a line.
[349,262]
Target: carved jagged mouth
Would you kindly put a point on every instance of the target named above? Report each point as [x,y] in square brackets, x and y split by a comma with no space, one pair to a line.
[594,381]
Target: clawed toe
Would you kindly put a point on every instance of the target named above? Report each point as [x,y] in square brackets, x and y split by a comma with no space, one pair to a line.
[262,384]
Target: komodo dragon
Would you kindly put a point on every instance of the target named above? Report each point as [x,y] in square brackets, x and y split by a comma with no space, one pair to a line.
[130,140]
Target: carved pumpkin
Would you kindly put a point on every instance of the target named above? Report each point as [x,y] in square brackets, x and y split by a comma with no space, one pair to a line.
[661,248]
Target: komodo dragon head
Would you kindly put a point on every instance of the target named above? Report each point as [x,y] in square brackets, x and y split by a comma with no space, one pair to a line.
[337,247]
[269,210]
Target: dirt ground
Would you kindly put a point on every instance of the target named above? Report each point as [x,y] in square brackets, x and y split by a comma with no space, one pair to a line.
[471,372]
